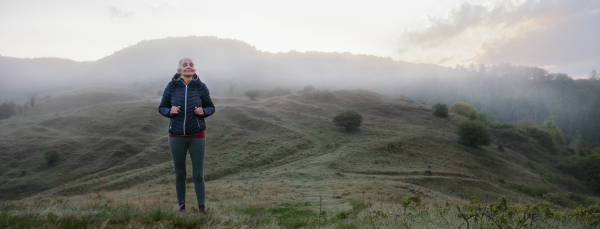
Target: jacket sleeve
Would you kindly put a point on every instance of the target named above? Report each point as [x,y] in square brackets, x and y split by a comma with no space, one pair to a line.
[165,104]
[207,105]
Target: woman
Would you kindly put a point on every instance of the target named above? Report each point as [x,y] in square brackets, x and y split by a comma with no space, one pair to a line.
[186,101]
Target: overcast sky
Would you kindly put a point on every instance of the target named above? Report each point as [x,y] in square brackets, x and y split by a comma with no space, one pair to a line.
[559,35]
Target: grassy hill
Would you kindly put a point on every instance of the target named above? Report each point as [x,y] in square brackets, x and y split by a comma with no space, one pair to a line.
[277,156]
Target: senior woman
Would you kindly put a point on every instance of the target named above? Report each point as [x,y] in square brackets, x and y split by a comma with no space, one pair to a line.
[186,101]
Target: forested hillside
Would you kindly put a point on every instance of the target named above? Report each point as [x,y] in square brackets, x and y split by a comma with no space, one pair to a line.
[523,95]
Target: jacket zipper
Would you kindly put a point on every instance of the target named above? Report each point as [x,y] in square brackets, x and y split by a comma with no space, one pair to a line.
[185,109]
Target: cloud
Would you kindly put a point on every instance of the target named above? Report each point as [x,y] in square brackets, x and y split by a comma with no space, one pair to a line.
[568,41]
[559,33]
[117,11]
[401,50]
[158,5]
[572,41]
[444,60]
[458,20]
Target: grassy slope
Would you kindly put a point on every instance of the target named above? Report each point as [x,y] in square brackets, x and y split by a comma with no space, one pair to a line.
[272,152]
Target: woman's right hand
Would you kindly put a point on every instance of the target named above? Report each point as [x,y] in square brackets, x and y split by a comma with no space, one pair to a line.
[175,110]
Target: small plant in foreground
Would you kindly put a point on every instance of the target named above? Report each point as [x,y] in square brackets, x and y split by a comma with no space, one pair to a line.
[349,119]
[473,133]
[440,109]
[503,215]
[51,156]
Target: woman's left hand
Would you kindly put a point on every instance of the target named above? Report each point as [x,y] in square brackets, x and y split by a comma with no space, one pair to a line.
[199,111]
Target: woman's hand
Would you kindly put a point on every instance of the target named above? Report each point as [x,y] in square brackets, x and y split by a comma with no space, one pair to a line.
[199,111]
[175,110]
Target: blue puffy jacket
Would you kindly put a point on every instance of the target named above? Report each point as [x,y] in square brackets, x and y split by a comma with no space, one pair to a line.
[194,94]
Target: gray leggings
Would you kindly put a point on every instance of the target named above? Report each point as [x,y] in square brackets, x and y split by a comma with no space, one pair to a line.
[179,148]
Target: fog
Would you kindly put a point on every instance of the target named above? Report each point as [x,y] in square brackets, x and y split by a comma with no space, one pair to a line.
[505,92]
[219,63]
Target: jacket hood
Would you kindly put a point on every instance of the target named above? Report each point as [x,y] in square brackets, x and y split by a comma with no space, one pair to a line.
[177,78]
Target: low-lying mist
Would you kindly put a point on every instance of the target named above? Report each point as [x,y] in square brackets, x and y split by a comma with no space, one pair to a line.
[506,93]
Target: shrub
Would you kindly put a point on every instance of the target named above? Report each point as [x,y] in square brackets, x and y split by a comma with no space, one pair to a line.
[473,133]
[555,132]
[482,117]
[473,115]
[508,132]
[307,88]
[7,109]
[462,108]
[529,190]
[349,119]
[51,156]
[279,91]
[440,109]
[586,168]
[252,94]
[541,136]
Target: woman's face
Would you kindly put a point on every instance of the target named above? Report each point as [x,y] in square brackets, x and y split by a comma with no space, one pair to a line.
[187,68]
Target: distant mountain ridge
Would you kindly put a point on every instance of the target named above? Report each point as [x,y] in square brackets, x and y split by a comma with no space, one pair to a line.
[219,62]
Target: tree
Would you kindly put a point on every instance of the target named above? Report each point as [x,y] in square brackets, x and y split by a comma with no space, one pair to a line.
[7,109]
[231,89]
[51,156]
[440,109]
[349,119]
[594,75]
[473,133]
[32,100]
[252,94]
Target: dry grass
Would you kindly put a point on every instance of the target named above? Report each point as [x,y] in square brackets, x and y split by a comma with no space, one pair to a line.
[275,152]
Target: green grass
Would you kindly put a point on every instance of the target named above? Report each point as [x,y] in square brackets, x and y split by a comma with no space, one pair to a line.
[290,216]
[269,156]
[550,176]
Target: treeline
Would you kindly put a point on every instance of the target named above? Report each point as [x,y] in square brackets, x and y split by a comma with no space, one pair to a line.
[10,108]
[522,94]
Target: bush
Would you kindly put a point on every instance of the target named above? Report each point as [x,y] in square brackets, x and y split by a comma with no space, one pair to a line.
[307,88]
[473,133]
[279,91]
[473,115]
[440,109]
[349,119]
[555,132]
[7,109]
[586,168]
[462,108]
[51,156]
[529,190]
[482,117]
[508,132]
[252,94]
[541,136]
